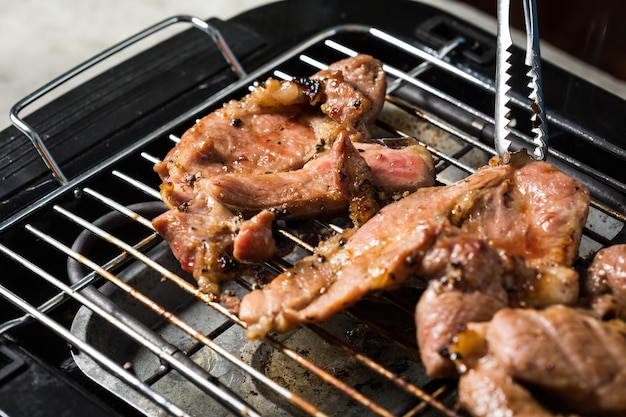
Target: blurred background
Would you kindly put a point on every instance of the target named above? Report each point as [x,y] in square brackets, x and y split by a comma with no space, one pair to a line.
[40,40]
[593,32]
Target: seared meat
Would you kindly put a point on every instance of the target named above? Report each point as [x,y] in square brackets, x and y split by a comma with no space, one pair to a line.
[278,306]
[604,284]
[268,130]
[278,127]
[363,75]
[466,285]
[538,213]
[487,391]
[566,354]
[607,273]
[390,247]
[255,241]
[201,237]
[351,171]
[570,360]
[514,216]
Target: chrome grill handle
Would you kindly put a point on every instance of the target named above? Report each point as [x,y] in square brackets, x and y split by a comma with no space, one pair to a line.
[36,138]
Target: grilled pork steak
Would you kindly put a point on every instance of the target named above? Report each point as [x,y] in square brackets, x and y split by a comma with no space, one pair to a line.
[383,171]
[255,153]
[274,128]
[392,245]
[573,361]
[279,126]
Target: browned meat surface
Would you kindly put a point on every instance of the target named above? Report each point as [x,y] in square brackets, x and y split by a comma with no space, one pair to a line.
[325,185]
[202,243]
[466,285]
[255,241]
[278,127]
[389,248]
[361,73]
[568,359]
[268,130]
[604,284]
[487,391]
[278,307]
[607,273]
[536,213]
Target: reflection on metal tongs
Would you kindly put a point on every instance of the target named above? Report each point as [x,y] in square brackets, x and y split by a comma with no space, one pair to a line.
[503,77]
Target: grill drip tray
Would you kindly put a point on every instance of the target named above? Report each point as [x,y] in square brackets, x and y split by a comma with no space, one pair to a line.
[274,364]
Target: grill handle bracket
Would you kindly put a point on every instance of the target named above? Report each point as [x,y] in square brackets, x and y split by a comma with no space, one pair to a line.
[34,136]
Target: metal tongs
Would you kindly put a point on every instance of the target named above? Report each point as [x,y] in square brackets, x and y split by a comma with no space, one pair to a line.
[503,76]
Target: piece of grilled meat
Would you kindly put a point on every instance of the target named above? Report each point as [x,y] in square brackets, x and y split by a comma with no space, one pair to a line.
[604,284]
[279,126]
[570,361]
[527,202]
[326,185]
[487,390]
[272,150]
[466,284]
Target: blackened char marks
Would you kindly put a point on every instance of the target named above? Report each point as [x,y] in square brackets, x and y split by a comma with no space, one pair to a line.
[312,88]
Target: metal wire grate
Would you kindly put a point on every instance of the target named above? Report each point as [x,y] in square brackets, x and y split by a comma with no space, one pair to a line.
[149,328]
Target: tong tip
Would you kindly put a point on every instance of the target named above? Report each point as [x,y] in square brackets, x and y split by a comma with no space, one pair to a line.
[503,88]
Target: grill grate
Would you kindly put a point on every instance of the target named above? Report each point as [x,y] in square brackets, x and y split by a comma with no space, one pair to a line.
[148,325]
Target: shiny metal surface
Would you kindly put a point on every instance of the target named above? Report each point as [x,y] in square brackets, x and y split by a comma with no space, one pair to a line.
[504,45]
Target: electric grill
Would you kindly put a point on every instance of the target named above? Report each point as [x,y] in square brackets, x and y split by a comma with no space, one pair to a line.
[97,318]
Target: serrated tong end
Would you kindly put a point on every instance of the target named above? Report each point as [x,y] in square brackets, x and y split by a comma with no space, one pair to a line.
[504,48]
